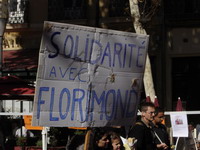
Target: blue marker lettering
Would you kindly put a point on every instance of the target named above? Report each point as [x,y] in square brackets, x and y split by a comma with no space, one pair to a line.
[65,90]
[71,42]
[86,47]
[130,59]
[117,51]
[107,49]
[52,72]
[99,101]
[121,103]
[54,45]
[76,47]
[79,100]
[80,72]
[99,52]
[112,93]
[51,106]
[71,76]
[132,93]
[139,55]
[40,100]
[124,59]
[63,74]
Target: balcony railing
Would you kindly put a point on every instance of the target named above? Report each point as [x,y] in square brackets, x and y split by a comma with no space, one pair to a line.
[18,11]
[118,8]
[76,9]
[66,9]
[182,10]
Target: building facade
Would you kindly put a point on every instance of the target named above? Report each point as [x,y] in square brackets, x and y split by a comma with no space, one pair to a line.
[174,39]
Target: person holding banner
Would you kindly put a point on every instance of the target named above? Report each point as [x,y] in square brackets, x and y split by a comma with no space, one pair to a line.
[142,129]
[160,131]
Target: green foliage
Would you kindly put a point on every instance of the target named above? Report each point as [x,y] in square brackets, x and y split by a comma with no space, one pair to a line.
[21,141]
[39,143]
[58,136]
[79,132]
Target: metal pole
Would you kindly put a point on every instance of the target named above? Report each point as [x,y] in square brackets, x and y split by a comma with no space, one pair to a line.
[44,139]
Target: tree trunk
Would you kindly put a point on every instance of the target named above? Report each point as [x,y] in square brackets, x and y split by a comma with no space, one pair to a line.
[148,80]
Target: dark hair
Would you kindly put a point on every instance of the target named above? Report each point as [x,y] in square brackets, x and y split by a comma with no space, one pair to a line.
[114,136]
[99,133]
[158,110]
[145,105]
[96,134]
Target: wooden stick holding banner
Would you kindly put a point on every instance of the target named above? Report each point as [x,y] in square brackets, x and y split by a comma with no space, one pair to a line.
[87,140]
[158,137]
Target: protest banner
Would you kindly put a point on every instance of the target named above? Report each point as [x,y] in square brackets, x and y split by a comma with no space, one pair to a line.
[88,77]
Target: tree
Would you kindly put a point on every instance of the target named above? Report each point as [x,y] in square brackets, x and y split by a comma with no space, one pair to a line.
[142,13]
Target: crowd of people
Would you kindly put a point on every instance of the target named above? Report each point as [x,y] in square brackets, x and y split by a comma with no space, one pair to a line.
[101,138]
[148,133]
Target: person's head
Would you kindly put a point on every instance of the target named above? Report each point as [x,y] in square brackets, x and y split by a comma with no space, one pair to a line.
[101,138]
[115,141]
[159,115]
[191,126]
[147,112]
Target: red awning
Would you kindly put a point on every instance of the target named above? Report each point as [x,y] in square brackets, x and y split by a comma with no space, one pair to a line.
[20,59]
[14,87]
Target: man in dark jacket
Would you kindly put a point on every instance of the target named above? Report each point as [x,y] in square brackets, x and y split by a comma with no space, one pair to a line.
[160,131]
[142,129]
